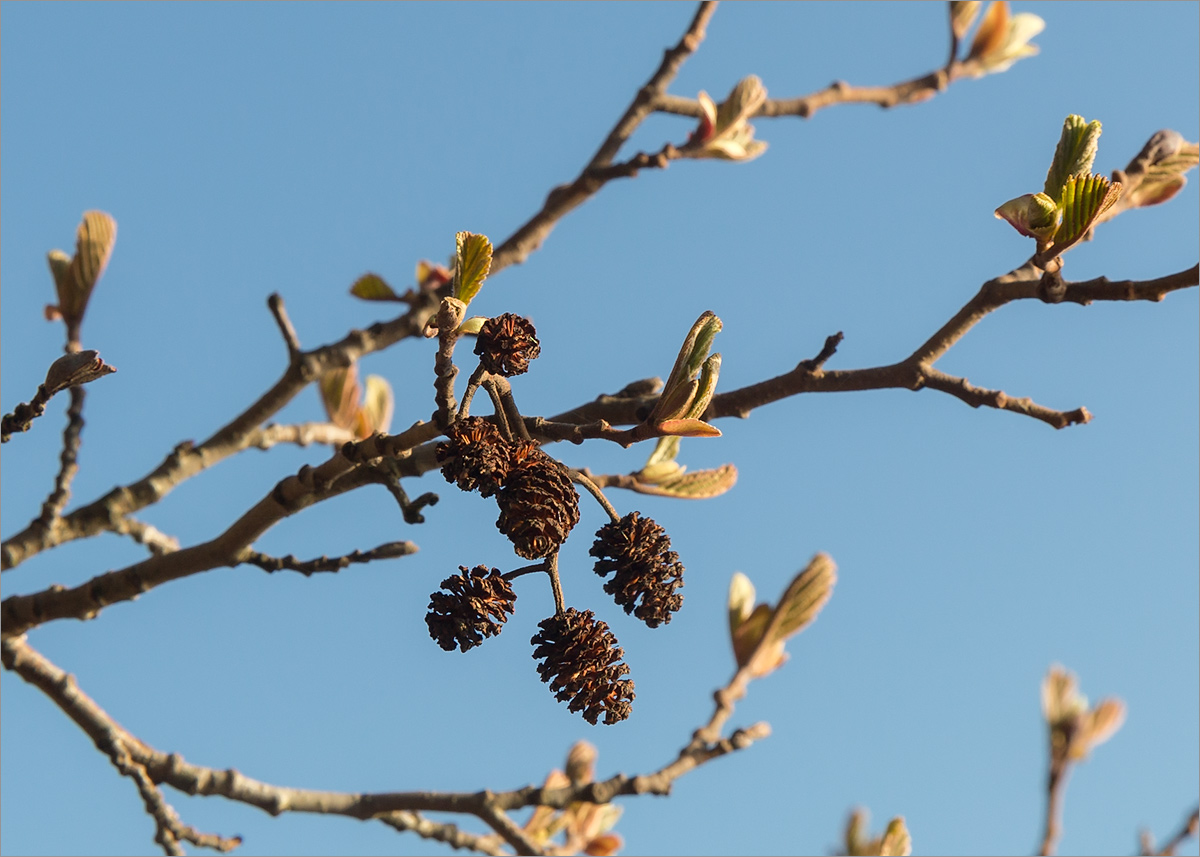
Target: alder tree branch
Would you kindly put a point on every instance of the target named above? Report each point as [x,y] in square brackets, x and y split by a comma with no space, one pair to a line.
[599,170]
[390,550]
[189,459]
[151,768]
[1187,830]
[19,613]
[594,420]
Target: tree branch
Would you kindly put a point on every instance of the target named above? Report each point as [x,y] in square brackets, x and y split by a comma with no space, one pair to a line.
[271,564]
[188,459]
[397,809]
[599,170]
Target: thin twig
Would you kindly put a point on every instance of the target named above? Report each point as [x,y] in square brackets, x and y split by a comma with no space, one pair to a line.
[565,198]
[464,408]
[449,316]
[1055,786]
[502,396]
[146,534]
[189,459]
[1187,830]
[491,807]
[389,550]
[286,330]
[585,480]
[51,515]
[560,604]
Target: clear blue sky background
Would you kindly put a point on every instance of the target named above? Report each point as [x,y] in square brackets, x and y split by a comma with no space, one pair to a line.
[253,148]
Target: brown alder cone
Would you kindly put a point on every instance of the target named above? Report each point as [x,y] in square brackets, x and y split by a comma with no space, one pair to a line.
[506,344]
[475,456]
[639,551]
[473,607]
[582,666]
[538,505]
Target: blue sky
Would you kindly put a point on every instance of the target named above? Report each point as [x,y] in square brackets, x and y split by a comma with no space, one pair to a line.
[252,148]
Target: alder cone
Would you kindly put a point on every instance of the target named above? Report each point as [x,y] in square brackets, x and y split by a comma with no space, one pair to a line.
[474,606]
[538,506]
[506,344]
[475,456]
[582,666]
[647,570]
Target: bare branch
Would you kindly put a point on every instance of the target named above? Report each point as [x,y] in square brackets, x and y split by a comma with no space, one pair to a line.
[188,459]
[146,534]
[390,550]
[397,809]
[599,170]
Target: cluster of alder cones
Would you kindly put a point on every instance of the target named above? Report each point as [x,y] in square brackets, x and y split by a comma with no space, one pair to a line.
[539,507]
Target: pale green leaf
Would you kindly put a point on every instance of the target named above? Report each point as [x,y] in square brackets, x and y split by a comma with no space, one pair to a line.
[665,450]
[700,484]
[1084,198]
[1074,154]
[1035,215]
[805,596]
[473,262]
[652,474]
[371,287]
[473,324]
[741,601]
[896,840]
[707,386]
[378,404]
[339,394]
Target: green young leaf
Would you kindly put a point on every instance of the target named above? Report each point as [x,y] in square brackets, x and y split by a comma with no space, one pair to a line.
[665,450]
[473,324]
[698,485]
[896,840]
[694,350]
[371,287]
[473,262]
[741,601]
[378,403]
[663,471]
[680,390]
[1074,154]
[707,386]
[339,394]
[676,402]
[1035,215]
[1084,198]
[805,596]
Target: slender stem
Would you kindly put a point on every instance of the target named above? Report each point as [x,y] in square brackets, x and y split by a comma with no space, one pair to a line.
[525,569]
[594,489]
[464,408]
[1054,801]
[286,330]
[560,604]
